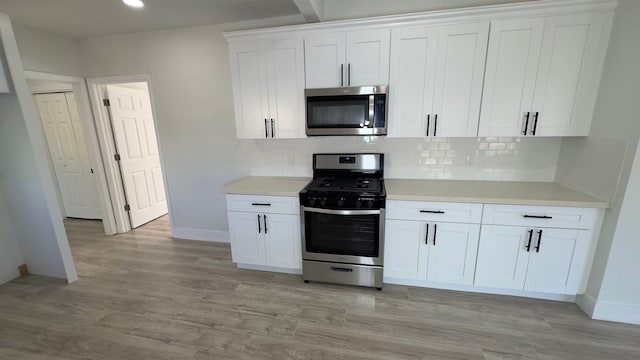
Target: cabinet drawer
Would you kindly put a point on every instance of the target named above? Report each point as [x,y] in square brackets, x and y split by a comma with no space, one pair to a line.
[264,204]
[540,216]
[434,211]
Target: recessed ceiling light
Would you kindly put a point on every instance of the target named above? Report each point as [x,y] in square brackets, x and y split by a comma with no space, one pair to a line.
[134,3]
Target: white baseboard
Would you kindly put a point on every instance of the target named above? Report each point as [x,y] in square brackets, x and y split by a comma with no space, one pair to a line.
[624,313]
[483,290]
[587,303]
[200,234]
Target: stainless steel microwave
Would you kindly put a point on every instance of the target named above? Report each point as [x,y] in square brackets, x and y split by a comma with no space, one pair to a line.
[360,110]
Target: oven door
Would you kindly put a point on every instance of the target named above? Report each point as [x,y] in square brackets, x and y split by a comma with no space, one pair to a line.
[345,236]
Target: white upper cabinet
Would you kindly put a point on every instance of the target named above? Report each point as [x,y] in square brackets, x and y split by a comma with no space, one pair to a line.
[268,88]
[347,59]
[542,75]
[573,51]
[436,80]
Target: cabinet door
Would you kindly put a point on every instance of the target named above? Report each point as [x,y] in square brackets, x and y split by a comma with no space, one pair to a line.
[324,60]
[285,78]
[412,79]
[452,253]
[282,241]
[367,58]
[569,73]
[459,76]
[502,257]
[512,63]
[249,80]
[247,238]
[405,254]
[549,267]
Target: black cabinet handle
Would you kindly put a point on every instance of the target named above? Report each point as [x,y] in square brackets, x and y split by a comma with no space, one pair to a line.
[537,216]
[428,121]
[426,236]
[535,123]
[266,128]
[260,204]
[529,243]
[435,231]
[435,124]
[340,269]
[432,211]
[539,240]
[349,74]
[526,123]
[259,227]
[265,223]
[341,74]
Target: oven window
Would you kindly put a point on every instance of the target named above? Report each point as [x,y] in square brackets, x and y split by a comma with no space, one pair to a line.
[356,235]
[337,111]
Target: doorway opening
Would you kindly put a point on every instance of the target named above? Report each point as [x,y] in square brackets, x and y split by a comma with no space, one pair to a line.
[70,138]
[126,126]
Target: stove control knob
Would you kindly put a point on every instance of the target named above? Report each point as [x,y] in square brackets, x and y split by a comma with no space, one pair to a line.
[340,202]
[358,203]
[323,201]
[370,203]
[312,201]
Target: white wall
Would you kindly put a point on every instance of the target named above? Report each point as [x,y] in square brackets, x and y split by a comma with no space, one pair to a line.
[619,298]
[601,164]
[191,85]
[25,181]
[47,52]
[10,256]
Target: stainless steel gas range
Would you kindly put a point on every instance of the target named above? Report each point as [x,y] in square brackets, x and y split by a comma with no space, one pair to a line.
[342,218]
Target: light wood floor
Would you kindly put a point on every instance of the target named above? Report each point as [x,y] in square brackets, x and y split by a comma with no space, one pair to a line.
[144,295]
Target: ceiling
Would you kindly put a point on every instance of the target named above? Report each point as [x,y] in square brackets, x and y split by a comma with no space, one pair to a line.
[90,18]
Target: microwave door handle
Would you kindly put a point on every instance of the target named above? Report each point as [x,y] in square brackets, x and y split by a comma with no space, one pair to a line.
[372,101]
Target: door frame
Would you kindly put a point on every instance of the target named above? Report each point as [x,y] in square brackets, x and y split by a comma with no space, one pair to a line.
[97,92]
[89,129]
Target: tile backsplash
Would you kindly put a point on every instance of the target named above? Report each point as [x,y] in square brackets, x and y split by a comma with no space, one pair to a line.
[491,158]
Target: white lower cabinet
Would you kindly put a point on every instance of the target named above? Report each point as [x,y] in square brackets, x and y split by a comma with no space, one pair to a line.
[434,251]
[532,259]
[513,249]
[262,238]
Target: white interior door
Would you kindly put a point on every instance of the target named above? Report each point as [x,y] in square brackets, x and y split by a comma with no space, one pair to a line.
[67,147]
[135,138]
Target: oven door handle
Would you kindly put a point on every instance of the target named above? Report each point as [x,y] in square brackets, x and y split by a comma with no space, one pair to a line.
[342,212]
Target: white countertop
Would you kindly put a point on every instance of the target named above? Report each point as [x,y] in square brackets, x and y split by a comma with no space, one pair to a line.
[267,185]
[490,192]
[486,192]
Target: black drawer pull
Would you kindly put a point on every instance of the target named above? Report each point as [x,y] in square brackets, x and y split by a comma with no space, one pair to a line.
[432,211]
[341,269]
[537,216]
[260,204]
